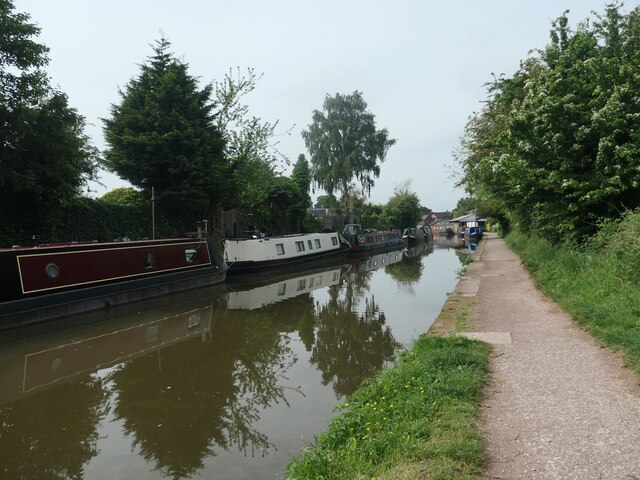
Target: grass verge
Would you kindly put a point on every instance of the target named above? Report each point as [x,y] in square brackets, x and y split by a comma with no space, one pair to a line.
[415,420]
[594,284]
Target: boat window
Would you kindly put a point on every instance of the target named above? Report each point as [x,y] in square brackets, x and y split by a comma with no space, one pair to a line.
[280,248]
[300,246]
[52,270]
[311,282]
[334,240]
[148,260]
[318,243]
[302,284]
[190,255]
[282,289]
[194,320]
[310,244]
[152,334]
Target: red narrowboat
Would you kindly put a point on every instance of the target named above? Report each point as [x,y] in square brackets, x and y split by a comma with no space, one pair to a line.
[56,280]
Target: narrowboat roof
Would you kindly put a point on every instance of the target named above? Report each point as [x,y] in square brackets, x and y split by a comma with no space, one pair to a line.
[62,245]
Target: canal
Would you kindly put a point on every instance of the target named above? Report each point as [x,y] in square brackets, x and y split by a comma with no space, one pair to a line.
[227,382]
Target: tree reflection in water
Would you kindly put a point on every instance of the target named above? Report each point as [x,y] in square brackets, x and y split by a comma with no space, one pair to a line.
[352,343]
[53,434]
[189,398]
[409,271]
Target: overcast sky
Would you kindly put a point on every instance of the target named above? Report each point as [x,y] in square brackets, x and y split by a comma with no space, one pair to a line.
[420,64]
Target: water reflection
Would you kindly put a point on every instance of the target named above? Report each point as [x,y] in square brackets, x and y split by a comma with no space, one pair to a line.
[190,380]
[350,346]
[53,435]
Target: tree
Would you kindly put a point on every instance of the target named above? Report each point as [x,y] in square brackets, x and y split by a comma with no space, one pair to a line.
[45,157]
[344,145]
[252,149]
[555,149]
[125,196]
[403,208]
[246,137]
[327,201]
[464,206]
[163,134]
[301,175]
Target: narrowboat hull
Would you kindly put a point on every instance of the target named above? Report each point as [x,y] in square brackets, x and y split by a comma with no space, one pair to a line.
[48,282]
[272,255]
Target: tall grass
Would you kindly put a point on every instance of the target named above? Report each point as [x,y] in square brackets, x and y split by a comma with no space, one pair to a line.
[599,284]
[415,420]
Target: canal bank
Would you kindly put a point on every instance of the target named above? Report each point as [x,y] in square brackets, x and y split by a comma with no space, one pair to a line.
[558,405]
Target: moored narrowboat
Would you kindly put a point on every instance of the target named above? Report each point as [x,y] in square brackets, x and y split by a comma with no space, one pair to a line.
[268,255]
[56,280]
[365,240]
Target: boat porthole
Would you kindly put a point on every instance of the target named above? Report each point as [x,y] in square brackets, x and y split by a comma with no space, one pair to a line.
[55,364]
[52,270]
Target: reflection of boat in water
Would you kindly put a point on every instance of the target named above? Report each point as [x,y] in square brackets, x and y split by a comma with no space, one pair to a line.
[254,295]
[52,281]
[377,261]
[455,241]
[417,250]
[278,254]
[367,241]
[31,363]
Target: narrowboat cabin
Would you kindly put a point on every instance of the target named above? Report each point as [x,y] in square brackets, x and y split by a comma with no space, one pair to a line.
[415,236]
[366,240]
[55,280]
[269,255]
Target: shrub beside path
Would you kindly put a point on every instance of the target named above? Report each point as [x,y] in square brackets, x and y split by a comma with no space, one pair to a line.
[559,405]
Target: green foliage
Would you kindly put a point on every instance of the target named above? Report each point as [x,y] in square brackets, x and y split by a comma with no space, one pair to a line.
[162,134]
[555,149]
[46,158]
[125,196]
[373,216]
[597,285]
[301,176]
[345,145]
[86,219]
[328,201]
[285,206]
[464,205]
[418,415]
[246,137]
[403,208]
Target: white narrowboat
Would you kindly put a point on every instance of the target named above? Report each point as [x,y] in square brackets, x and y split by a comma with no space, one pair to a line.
[287,252]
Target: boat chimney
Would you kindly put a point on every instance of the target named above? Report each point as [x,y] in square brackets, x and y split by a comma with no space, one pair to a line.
[202,228]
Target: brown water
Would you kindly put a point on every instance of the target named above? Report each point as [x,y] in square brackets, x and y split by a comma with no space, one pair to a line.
[226,383]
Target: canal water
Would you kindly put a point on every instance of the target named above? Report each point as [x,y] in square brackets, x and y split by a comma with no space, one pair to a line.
[229,382]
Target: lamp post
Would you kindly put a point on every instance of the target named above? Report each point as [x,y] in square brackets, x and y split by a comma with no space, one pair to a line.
[153,214]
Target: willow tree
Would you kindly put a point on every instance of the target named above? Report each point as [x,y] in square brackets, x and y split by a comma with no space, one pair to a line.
[345,146]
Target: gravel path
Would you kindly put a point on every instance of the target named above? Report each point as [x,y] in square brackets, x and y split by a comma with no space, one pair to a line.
[559,405]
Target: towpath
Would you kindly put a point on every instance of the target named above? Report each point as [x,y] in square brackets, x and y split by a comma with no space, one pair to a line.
[559,406]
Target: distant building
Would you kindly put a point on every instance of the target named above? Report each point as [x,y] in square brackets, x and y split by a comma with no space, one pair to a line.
[442,227]
[469,224]
[433,217]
